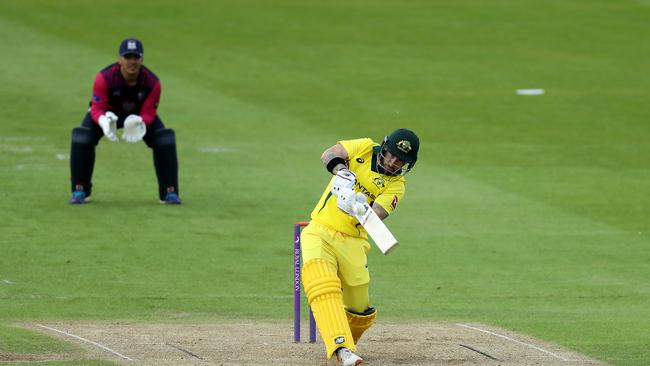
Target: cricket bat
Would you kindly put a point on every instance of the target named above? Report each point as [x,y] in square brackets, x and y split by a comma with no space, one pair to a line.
[377,230]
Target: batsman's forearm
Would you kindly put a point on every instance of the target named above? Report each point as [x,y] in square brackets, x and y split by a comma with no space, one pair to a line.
[380,211]
[330,158]
[334,158]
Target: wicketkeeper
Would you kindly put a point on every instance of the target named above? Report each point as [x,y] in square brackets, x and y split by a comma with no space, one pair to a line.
[335,246]
[125,95]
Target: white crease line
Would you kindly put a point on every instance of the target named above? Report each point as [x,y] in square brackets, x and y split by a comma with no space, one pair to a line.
[39,361]
[86,340]
[514,340]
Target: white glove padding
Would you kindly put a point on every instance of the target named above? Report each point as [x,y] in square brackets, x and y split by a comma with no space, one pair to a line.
[360,205]
[134,128]
[108,123]
[351,202]
[343,181]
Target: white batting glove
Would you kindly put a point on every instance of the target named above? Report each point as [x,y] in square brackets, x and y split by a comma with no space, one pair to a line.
[108,123]
[134,129]
[352,203]
[345,201]
[360,204]
[344,180]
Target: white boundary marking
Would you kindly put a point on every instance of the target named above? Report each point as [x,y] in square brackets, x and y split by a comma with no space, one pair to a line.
[530,91]
[86,340]
[513,340]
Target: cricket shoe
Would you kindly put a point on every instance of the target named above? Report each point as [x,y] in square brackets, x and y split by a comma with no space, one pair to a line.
[79,197]
[171,198]
[347,357]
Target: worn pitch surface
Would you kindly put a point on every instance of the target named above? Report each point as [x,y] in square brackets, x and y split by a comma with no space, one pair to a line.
[253,343]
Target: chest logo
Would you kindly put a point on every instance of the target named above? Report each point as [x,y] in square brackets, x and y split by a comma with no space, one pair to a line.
[379,182]
[360,160]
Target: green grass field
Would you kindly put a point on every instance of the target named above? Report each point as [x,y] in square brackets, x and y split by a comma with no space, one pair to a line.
[525,212]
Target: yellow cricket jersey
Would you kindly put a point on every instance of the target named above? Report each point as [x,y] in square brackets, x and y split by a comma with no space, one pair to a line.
[386,191]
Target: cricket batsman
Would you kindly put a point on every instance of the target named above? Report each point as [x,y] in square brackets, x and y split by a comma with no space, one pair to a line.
[125,95]
[334,245]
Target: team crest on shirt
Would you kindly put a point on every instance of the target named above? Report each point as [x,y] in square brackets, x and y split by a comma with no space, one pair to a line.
[360,160]
[404,145]
[379,182]
[394,203]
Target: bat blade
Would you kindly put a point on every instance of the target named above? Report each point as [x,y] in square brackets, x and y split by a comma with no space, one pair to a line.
[377,231]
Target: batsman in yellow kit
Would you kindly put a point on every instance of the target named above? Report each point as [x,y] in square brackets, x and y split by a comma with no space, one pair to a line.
[335,246]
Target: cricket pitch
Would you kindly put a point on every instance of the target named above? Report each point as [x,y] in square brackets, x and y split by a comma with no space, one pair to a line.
[255,343]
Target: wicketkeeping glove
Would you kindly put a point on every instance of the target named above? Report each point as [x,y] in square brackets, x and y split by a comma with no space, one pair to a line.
[108,123]
[134,129]
[344,180]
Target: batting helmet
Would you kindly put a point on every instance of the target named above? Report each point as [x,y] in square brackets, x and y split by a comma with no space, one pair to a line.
[404,144]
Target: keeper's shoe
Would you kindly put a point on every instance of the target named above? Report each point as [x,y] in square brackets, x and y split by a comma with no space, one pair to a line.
[171,198]
[347,357]
[79,197]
